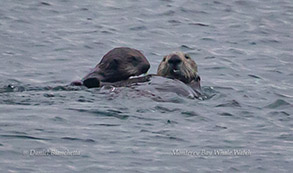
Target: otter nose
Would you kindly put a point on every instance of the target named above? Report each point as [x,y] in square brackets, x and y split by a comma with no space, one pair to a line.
[175,59]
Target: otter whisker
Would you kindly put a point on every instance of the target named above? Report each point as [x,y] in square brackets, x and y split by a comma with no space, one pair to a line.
[176,71]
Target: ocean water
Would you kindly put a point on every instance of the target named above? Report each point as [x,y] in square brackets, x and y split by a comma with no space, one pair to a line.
[244,53]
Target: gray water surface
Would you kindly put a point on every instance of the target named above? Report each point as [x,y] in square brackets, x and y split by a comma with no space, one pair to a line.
[245,58]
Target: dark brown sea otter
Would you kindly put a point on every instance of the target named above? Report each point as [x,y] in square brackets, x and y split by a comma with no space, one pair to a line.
[117,65]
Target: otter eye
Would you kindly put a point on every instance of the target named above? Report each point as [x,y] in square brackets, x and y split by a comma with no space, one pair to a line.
[133,60]
[187,56]
[114,64]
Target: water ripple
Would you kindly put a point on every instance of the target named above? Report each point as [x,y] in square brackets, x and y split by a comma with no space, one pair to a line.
[230,103]
[23,137]
[108,113]
[78,139]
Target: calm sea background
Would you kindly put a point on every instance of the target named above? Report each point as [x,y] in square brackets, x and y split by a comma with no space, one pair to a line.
[244,50]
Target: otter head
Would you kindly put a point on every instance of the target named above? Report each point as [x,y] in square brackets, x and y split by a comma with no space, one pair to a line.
[179,66]
[118,64]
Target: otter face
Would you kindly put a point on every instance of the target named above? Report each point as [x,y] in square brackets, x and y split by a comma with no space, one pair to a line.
[178,66]
[118,64]
[121,63]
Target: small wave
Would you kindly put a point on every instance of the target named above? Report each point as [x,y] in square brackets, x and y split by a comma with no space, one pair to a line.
[194,117]
[107,32]
[21,88]
[230,103]
[207,39]
[164,109]
[226,114]
[254,76]
[78,139]
[167,13]
[169,138]
[58,119]
[23,137]
[286,136]
[108,113]
[218,127]
[186,48]
[190,113]
[278,103]
[45,4]
[105,125]
[138,28]
[199,24]
[174,22]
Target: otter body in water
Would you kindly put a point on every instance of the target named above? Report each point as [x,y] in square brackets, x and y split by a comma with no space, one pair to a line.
[176,73]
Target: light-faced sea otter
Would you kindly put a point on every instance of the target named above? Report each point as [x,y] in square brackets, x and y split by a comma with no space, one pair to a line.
[180,66]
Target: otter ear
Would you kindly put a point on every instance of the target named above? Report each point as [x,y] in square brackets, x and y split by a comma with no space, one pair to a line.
[164,59]
[133,60]
[197,78]
[187,56]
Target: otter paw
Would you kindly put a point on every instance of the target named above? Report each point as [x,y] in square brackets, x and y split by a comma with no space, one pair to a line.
[91,83]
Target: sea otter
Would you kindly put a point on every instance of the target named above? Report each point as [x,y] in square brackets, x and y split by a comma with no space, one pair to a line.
[117,65]
[180,66]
